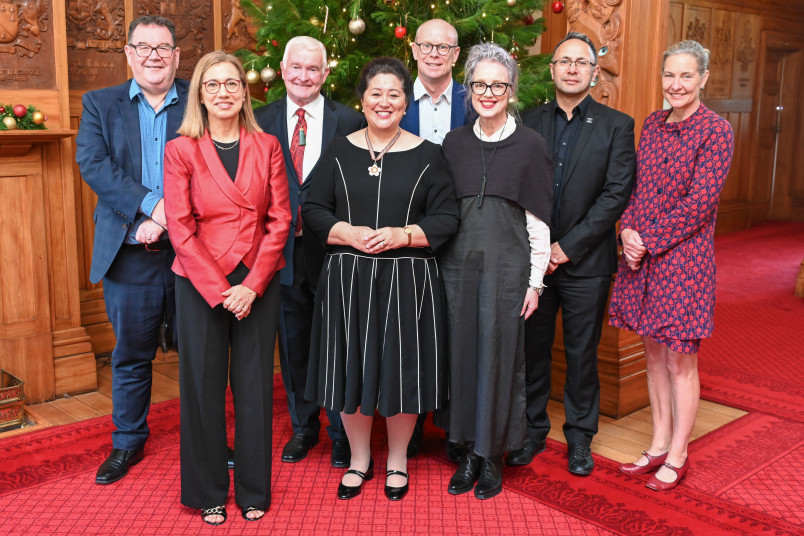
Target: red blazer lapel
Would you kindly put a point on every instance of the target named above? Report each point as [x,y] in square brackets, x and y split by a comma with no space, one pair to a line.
[245,166]
[218,172]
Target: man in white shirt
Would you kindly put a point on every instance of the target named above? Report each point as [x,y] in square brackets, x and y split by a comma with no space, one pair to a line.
[305,122]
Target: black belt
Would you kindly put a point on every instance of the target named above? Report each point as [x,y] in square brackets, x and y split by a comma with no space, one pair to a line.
[156,246]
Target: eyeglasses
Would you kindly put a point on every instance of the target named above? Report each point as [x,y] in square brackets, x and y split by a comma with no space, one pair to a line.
[442,49]
[144,51]
[497,88]
[232,85]
[565,63]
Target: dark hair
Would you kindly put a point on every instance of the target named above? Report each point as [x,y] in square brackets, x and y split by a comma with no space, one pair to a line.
[385,65]
[580,37]
[152,20]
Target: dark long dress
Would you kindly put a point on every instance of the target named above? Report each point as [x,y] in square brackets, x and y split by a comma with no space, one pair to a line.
[378,335]
[486,268]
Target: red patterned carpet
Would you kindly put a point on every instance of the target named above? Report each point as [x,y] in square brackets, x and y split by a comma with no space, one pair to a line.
[746,477]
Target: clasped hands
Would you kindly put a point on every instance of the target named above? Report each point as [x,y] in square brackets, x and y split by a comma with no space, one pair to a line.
[151,230]
[377,240]
[238,300]
[633,248]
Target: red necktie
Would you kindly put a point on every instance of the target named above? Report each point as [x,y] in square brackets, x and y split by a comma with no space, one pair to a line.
[297,154]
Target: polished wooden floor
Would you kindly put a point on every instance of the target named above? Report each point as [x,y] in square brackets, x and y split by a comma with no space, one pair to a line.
[621,440]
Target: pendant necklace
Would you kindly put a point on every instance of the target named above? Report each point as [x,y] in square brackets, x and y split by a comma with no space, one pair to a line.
[486,168]
[374,169]
[223,147]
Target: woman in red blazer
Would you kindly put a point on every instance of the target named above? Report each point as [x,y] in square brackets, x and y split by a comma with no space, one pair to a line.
[226,200]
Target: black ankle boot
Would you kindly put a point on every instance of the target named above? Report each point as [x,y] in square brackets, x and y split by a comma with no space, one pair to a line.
[489,483]
[465,477]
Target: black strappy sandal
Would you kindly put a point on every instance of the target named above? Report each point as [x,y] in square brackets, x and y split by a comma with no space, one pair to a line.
[248,509]
[215,511]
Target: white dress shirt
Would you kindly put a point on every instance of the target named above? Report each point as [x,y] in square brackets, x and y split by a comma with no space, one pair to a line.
[435,115]
[314,114]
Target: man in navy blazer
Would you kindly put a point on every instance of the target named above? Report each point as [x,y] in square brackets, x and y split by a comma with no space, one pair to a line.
[439,102]
[120,148]
[592,147]
[318,120]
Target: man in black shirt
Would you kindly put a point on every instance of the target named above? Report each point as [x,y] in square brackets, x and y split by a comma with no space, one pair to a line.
[593,151]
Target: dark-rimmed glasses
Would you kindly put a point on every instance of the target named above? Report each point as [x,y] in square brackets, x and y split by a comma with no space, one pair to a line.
[442,48]
[232,85]
[497,88]
[565,63]
[144,51]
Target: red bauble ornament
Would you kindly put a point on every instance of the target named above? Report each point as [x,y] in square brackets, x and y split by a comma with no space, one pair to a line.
[400,32]
[528,20]
[20,110]
[557,7]
[275,42]
[513,55]
[2,109]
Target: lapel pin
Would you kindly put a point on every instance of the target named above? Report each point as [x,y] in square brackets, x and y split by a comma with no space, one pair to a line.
[588,119]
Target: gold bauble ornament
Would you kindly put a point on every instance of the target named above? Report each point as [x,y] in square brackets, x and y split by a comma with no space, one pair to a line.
[38,118]
[357,26]
[511,3]
[268,75]
[315,21]
[252,76]
[10,122]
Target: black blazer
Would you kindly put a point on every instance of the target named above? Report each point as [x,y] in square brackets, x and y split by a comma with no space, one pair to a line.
[339,121]
[597,186]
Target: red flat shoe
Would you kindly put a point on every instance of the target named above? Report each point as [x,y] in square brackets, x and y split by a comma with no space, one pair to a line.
[659,485]
[653,463]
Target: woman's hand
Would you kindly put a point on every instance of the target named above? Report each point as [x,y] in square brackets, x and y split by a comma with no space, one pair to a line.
[385,239]
[344,234]
[633,248]
[531,303]
[238,300]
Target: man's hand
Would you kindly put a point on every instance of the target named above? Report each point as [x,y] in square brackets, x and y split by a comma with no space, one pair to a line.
[149,232]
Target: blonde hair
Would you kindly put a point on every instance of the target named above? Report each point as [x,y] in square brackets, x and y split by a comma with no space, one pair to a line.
[195,120]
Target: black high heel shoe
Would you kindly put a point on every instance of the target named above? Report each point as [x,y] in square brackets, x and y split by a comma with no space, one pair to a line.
[396,494]
[350,492]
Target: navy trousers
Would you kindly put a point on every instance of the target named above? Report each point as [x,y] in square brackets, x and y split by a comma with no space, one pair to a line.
[139,293]
[295,322]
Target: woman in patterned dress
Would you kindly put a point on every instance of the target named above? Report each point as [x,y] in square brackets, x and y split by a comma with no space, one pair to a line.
[383,202]
[665,286]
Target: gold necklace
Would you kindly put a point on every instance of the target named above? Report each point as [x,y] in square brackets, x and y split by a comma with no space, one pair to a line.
[375,170]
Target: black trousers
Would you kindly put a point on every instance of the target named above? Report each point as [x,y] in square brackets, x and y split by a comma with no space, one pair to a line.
[295,323]
[582,301]
[207,336]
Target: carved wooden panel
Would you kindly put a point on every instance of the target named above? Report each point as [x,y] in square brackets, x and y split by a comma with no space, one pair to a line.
[27,59]
[675,22]
[96,35]
[746,50]
[195,28]
[721,55]
[238,30]
[602,22]
[697,24]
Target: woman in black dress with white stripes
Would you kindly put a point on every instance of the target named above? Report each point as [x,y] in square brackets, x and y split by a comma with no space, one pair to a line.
[383,202]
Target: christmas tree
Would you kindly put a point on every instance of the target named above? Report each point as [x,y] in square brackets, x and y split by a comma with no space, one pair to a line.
[356,31]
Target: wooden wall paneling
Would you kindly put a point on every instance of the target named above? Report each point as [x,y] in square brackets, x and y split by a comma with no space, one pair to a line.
[721,59]
[675,21]
[697,23]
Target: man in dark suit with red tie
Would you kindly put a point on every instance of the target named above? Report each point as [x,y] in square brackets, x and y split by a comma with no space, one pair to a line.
[593,153]
[120,147]
[305,122]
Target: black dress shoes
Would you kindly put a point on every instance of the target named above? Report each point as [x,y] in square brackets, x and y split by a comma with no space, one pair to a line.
[525,455]
[456,451]
[117,465]
[298,447]
[350,492]
[396,494]
[465,477]
[580,459]
[341,454]
[489,483]
[230,458]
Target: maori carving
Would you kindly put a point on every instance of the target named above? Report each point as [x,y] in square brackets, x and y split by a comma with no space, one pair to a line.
[601,21]
[191,20]
[240,30]
[746,51]
[96,24]
[696,30]
[21,25]
[722,46]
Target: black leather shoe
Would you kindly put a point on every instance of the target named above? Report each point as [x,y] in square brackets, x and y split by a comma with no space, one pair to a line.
[465,477]
[298,447]
[350,492]
[489,483]
[580,460]
[456,451]
[341,454]
[230,458]
[116,466]
[525,455]
[396,494]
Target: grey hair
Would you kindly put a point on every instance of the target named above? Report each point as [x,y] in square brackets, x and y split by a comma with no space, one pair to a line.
[580,37]
[308,43]
[497,54]
[694,49]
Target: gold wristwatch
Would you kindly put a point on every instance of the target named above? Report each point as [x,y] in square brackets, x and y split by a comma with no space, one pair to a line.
[407,232]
